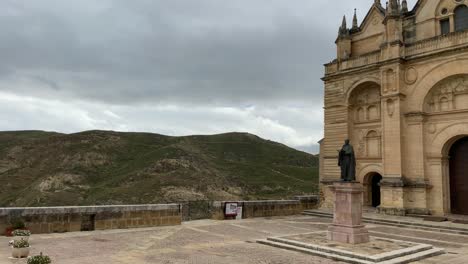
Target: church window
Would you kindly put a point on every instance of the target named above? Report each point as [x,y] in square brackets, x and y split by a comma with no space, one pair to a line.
[445,26]
[461,18]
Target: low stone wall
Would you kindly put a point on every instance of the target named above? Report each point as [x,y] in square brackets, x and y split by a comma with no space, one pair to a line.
[308,201]
[42,220]
[252,209]
[87,218]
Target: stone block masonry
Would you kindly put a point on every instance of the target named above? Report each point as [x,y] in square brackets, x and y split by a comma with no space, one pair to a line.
[252,209]
[42,220]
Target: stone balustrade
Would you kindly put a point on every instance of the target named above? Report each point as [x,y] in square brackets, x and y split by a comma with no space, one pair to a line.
[435,44]
[427,46]
[360,61]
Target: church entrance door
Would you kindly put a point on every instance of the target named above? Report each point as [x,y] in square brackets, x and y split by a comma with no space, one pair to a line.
[459,177]
[375,182]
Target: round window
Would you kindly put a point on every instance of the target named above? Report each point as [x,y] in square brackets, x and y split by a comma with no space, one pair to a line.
[444,11]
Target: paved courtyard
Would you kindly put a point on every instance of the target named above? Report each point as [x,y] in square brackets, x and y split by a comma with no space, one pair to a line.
[210,241]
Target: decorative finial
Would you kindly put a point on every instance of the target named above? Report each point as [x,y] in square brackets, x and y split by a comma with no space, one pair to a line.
[377,3]
[393,7]
[343,31]
[355,21]
[404,6]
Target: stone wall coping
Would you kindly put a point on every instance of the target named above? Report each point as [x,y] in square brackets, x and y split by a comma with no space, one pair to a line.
[86,209]
[306,197]
[260,202]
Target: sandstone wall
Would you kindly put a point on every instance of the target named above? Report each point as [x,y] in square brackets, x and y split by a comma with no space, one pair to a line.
[43,220]
[87,218]
[252,209]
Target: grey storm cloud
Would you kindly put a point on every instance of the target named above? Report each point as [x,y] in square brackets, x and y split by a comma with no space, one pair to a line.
[202,53]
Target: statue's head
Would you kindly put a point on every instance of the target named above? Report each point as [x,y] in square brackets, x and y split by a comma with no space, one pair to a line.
[346,141]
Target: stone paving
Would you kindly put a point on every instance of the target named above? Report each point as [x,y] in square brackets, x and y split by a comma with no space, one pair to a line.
[374,247]
[208,241]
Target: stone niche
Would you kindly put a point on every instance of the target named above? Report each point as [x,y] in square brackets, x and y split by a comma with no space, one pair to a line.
[365,121]
[448,95]
[365,103]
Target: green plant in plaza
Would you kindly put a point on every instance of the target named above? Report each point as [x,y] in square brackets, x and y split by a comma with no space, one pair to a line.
[40,259]
[20,244]
[21,232]
[17,223]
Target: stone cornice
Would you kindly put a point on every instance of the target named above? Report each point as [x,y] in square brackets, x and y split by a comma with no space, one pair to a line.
[415,117]
[400,96]
[363,68]
[404,182]
[328,182]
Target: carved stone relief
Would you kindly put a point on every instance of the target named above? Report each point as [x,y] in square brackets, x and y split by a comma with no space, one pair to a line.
[450,94]
[390,107]
[362,144]
[369,143]
[365,104]
[431,128]
[411,75]
[373,144]
[390,81]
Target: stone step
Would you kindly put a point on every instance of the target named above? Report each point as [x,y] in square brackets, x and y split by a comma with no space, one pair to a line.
[330,256]
[337,256]
[415,257]
[379,258]
[398,223]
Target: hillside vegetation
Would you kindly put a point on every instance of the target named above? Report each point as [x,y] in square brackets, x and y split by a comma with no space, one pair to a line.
[101,167]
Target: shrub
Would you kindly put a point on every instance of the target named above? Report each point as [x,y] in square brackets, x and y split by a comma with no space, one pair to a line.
[21,232]
[41,259]
[17,223]
[20,244]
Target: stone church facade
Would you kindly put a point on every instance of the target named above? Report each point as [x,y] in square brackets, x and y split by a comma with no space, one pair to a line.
[398,90]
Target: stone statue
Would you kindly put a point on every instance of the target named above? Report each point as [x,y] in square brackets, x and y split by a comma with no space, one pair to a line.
[347,162]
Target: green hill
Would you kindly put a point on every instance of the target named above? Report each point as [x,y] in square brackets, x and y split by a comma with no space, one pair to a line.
[101,167]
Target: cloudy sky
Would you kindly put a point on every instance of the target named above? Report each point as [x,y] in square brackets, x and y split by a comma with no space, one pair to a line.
[174,67]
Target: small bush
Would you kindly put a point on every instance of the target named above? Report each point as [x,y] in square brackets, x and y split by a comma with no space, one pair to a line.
[21,232]
[20,244]
[17,223]
[41,259]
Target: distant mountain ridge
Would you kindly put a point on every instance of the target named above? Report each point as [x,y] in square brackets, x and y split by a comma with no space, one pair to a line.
[104,167]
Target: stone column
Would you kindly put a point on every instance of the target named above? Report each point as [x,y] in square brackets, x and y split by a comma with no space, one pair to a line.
[392,183]
[347,224]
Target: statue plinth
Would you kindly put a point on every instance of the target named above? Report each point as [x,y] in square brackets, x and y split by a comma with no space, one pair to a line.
[347,224]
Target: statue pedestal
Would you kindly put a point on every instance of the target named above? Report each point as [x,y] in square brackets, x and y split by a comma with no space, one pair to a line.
[347,224]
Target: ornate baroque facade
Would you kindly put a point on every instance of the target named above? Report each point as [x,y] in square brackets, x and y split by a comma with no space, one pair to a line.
[398,90]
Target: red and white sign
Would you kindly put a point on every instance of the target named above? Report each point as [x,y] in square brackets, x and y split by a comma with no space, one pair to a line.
[230,209]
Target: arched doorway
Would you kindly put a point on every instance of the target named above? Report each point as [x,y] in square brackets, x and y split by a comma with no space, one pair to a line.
[373,189]
[375,183]
[458,167]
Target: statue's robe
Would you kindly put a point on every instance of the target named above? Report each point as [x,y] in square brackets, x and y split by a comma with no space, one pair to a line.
[347,162]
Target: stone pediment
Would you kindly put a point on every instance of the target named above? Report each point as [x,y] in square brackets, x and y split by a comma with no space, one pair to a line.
[372,24]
